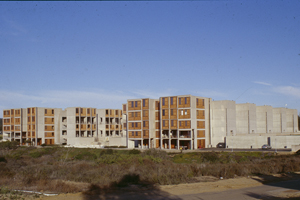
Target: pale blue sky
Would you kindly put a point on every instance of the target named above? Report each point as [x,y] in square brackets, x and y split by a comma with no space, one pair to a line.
[99,54]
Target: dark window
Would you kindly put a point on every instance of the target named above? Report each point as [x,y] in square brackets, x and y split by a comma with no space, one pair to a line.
[136,124]
[136,103]
[28,110]
[185,100]
[132,104]
[132,124]
[144,124]
[136,133]
[144,102]
[171,100]
[163,113]
[179,101]
[132,133]
[52,111]
[171,111]
[163,101]
[172,123]
[77,110]
[45,111]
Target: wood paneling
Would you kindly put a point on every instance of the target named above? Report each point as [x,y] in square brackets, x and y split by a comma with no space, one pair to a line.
[200,114]
[200,124]
[200,133]
[200,103]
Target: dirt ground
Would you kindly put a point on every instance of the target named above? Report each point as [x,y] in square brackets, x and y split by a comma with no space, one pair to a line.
[205,184]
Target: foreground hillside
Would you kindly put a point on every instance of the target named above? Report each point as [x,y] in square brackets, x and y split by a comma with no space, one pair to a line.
[69,170]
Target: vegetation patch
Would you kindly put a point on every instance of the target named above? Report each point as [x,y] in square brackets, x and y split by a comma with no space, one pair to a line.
[60,169]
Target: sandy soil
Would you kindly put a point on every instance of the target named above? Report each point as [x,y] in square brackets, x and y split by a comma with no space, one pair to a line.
[205,184]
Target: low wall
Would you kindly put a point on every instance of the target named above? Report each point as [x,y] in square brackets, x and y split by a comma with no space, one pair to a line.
[258,141]
[295,148]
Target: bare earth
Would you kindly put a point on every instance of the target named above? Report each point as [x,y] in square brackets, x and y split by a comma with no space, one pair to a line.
[207,184]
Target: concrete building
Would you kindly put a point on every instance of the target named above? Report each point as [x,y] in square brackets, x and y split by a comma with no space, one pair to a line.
[74,126]
[169,122]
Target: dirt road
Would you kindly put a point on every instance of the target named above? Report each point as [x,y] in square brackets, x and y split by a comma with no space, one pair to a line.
[209,188]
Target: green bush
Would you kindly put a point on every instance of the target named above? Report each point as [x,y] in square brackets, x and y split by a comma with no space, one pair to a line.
[134,151]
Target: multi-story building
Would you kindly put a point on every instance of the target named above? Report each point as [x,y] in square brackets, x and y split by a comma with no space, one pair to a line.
[170,122]
[73,126]
[140,115]
[32,125]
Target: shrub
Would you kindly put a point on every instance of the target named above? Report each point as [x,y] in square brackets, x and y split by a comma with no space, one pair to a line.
[134,151]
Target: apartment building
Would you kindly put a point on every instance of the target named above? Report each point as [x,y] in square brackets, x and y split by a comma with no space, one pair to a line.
[74,126]
[167,123]
[170,122]
[31,125]
[140,123]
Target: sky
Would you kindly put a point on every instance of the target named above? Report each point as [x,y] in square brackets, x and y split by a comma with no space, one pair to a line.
[99,54]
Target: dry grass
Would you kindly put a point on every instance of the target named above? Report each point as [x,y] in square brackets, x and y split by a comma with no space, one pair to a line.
[73,170]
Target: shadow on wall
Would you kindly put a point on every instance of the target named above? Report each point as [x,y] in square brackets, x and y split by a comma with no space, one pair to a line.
[129,187]
[290,181]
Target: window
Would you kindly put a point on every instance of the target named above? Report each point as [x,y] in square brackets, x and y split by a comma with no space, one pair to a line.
[185,123]
[81,110]
[144,102]
[124,107]
[181,112]
[144,133]
[136,114]
[171,100]
[132,114]
[117,112]
[185,100]
[106,112]
[88,111]
[52,111]
[179,101]
[77,111]
[33,119]
[52,119]
[136,104]
[180,123]
[28,110]
[163,112]
[163,101]
[45,111]
[45,127]
[136,124]
[132,124]
[132,104]
[172,123]
[185,112]
[144,124]
[136,133]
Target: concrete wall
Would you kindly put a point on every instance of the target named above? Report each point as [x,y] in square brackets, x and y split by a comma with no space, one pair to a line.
[246,118]
[257,141]
[223,120]
[264,117]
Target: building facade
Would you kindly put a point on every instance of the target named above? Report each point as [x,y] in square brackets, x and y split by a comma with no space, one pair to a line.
[171,122]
